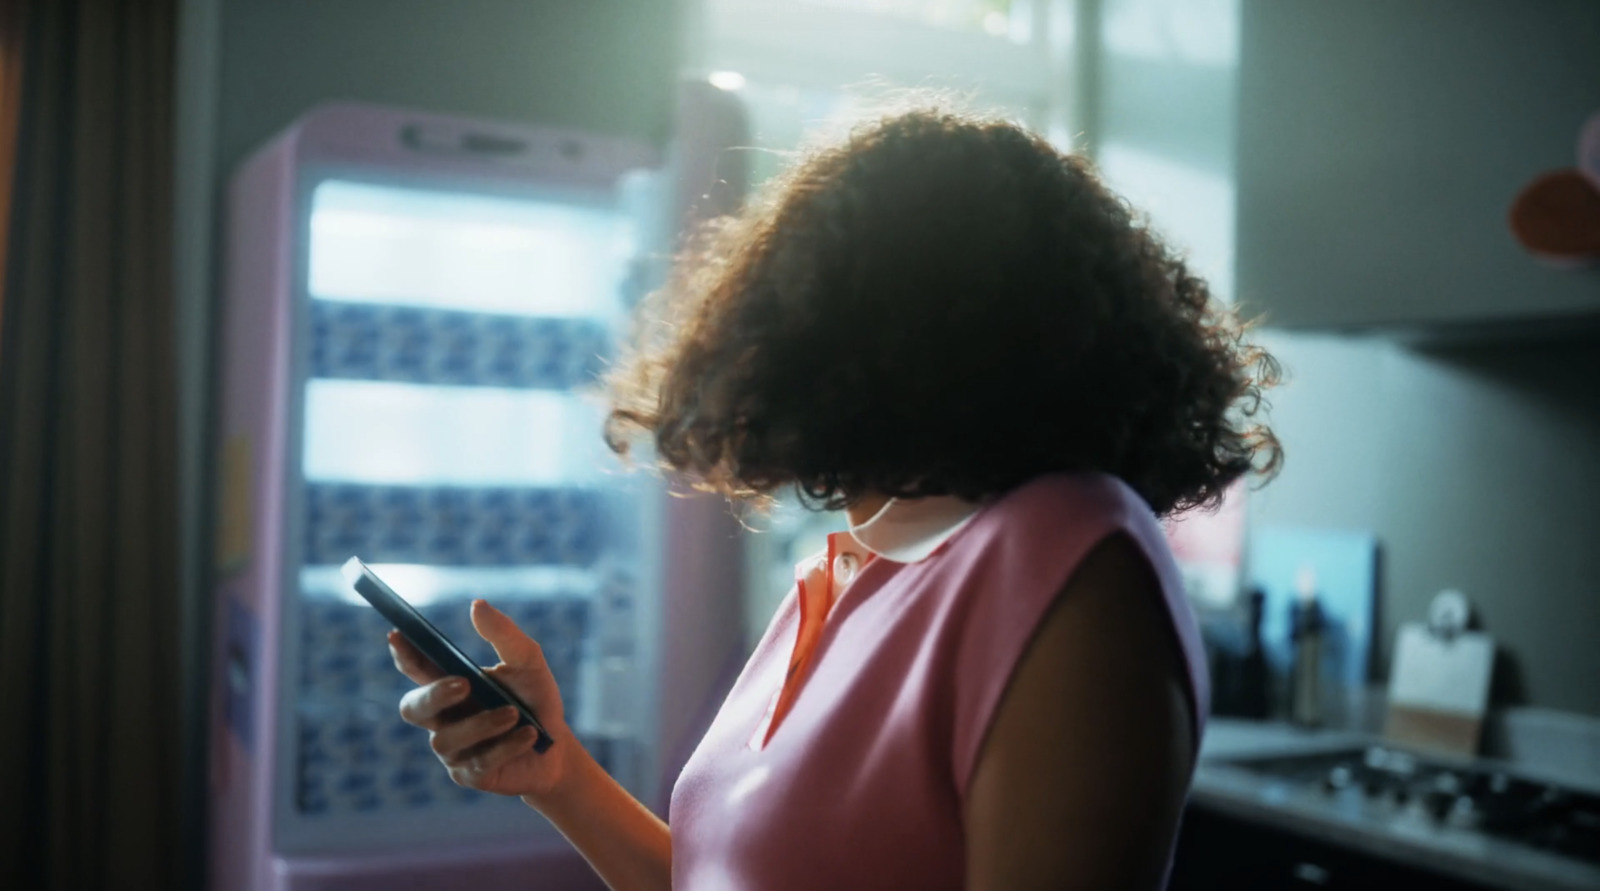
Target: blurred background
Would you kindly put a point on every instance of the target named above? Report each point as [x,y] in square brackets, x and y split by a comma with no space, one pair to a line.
[290,280]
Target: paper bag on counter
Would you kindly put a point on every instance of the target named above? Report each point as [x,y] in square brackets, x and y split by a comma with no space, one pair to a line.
[1439,689]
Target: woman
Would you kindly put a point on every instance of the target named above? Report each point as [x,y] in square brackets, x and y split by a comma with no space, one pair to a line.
[959,336]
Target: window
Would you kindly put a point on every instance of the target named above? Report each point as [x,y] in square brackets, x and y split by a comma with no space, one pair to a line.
[803,66]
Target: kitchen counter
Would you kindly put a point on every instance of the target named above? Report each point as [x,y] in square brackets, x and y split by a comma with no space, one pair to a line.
[1408,838]
[1229,738]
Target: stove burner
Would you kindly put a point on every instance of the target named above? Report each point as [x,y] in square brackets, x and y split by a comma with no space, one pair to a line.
[1548,817]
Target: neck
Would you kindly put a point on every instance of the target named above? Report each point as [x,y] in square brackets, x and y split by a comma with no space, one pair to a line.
[862,510]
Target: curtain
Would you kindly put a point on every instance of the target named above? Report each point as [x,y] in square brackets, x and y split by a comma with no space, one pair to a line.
[11,30]
[89,686]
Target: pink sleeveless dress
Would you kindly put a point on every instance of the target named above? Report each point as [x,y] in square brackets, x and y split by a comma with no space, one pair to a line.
[854,773]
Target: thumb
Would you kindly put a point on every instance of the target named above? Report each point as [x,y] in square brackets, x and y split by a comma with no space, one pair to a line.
[511,644]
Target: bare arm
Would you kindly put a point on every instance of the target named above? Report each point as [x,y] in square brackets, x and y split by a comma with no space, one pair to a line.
[626,844]
[630,847]
[1082,777]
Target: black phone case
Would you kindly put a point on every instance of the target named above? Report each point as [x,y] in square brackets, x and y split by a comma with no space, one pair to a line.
[486,692]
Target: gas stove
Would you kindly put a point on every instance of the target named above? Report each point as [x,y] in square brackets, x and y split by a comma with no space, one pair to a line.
[1406,787]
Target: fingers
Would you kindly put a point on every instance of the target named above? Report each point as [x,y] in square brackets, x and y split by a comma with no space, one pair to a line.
[510,643]
[452,740]
[425,706]
[471,766]
[419,668]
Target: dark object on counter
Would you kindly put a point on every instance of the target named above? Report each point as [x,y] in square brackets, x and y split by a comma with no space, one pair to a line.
[1239,676]
[1305,674]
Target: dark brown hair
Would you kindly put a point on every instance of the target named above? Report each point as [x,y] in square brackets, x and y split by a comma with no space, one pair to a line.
[940,304]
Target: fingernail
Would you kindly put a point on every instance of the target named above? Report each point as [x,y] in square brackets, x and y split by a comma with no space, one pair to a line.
[457,685]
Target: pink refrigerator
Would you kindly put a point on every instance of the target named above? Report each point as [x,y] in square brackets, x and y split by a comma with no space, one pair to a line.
[416,310]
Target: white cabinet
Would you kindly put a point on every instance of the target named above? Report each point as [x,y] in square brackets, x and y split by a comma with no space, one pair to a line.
[1380,144]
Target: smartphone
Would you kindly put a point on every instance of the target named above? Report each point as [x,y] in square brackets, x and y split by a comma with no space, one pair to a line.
[486,691]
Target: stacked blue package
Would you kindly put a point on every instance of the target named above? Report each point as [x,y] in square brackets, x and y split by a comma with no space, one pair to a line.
[454,525]
[365,341]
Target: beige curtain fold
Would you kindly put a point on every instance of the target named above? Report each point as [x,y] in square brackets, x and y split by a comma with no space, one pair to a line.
[89,686]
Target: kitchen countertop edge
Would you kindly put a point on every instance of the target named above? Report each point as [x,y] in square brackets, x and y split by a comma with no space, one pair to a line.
[1232,791]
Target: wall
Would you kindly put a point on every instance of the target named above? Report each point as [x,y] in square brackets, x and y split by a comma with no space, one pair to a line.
[1478,466]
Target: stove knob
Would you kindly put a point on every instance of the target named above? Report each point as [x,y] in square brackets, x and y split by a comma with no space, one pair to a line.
[1447,783]
[1337,779]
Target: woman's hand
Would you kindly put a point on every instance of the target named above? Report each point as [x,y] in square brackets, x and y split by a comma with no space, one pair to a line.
[485,749]
[627,845]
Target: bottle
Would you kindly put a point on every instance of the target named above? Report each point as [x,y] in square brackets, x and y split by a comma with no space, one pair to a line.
[1305,632]
[1253,699]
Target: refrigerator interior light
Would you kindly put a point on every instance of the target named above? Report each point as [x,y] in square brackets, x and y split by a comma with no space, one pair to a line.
[398,245]
[382,432]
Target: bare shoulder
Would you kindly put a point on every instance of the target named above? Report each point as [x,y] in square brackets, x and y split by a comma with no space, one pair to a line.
[1082,777]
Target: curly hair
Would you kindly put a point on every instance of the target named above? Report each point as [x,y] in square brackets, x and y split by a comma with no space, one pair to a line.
[940,304]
